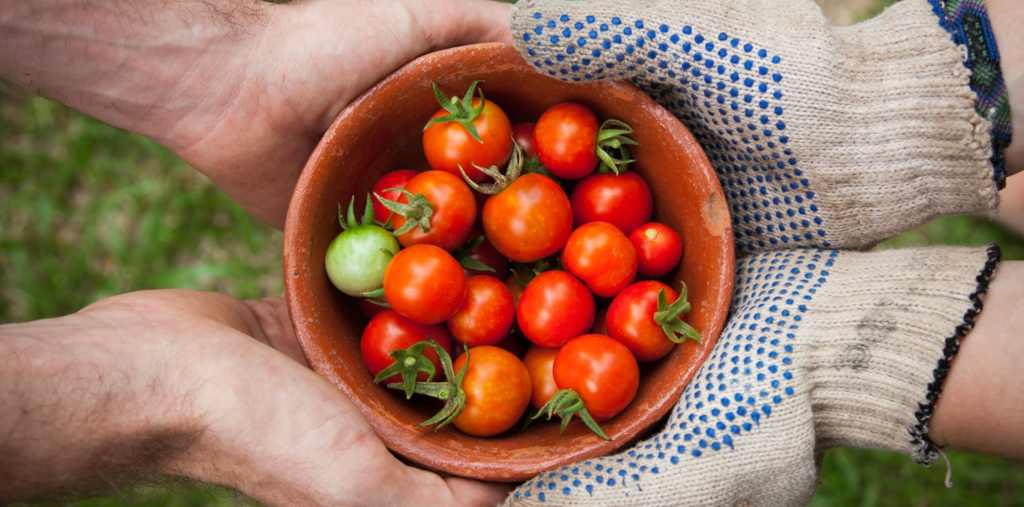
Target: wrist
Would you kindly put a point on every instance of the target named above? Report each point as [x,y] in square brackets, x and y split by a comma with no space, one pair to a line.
[83,407]
[895,322]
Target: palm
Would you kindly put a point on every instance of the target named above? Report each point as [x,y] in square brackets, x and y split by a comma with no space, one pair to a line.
[303,67]
[270,426]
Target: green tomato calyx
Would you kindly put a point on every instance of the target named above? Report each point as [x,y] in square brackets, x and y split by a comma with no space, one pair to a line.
[460,111]
[449,391]
[462,253]
[612,136]
[416,213]
[408,363]
[565,404]
[669,317]
[349,221]
[501,180]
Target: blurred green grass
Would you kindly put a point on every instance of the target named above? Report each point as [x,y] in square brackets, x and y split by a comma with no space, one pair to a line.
[90,211]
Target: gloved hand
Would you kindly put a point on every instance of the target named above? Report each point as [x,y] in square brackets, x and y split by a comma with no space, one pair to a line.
[821,137]
[823,349]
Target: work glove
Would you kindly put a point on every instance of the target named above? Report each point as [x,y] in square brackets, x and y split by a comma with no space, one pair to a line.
[821,136]
[824,139]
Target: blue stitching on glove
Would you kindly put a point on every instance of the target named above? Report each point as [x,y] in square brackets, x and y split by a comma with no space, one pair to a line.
[729,397]
[734,108]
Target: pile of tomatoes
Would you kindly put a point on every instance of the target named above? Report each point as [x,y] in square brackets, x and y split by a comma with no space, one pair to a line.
[515,231]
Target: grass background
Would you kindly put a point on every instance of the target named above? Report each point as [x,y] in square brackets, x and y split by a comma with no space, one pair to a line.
[90,211]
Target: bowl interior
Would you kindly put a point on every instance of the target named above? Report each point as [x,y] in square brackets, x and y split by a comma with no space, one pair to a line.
[381,132]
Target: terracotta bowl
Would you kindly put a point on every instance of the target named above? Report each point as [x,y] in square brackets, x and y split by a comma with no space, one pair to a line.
[381,132]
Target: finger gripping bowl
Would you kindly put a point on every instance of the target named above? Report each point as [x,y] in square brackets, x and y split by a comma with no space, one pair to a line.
[381,131]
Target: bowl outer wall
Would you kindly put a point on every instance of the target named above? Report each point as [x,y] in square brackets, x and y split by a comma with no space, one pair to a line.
[380,132]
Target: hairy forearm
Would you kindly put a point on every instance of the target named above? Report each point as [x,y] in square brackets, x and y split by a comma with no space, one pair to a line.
[982,403]
[142,65]
[76,413]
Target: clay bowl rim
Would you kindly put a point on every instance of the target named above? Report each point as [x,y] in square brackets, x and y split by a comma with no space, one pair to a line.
[456,455]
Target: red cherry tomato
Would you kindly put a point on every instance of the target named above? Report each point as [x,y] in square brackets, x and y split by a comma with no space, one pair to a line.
[602,256]
[565,138]
[528,220]
[389,331]
[555,307]
[497,387]
[659,249]
[486,315]
[393,179]
[601,370]
[631,320]
[449,145]
[538,361]
[454,210]
[623,200]
[522,133]
[424,283]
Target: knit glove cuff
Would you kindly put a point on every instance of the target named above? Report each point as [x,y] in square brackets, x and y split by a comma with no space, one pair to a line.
[820,135]
[890,322]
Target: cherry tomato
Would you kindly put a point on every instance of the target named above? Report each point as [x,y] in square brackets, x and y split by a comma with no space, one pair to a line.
[486,254]
[486,315]
[393,179]
[389,331]
[623,200]
[357,258]
[528,220]
[522,133]
[454,210]
[424,283]
[538,361]
[449,145]
[658,249]
[631,320]
[565,138]
[497,387]
[555,307]
[602,256]
[601,370]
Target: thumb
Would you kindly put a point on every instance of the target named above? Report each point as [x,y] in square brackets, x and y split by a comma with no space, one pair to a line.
[448,23]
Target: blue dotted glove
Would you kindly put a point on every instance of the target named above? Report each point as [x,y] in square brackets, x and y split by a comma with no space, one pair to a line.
[821,136]
[823,349]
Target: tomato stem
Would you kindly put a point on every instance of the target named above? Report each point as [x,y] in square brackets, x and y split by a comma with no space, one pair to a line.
[417,212]
[349,220]
[612,135]
[512,171]
[669,317]
[564,404]
[408,363]
[450,391]
[460,111]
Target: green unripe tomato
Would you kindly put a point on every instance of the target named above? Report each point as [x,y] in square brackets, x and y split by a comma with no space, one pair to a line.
[356,259]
